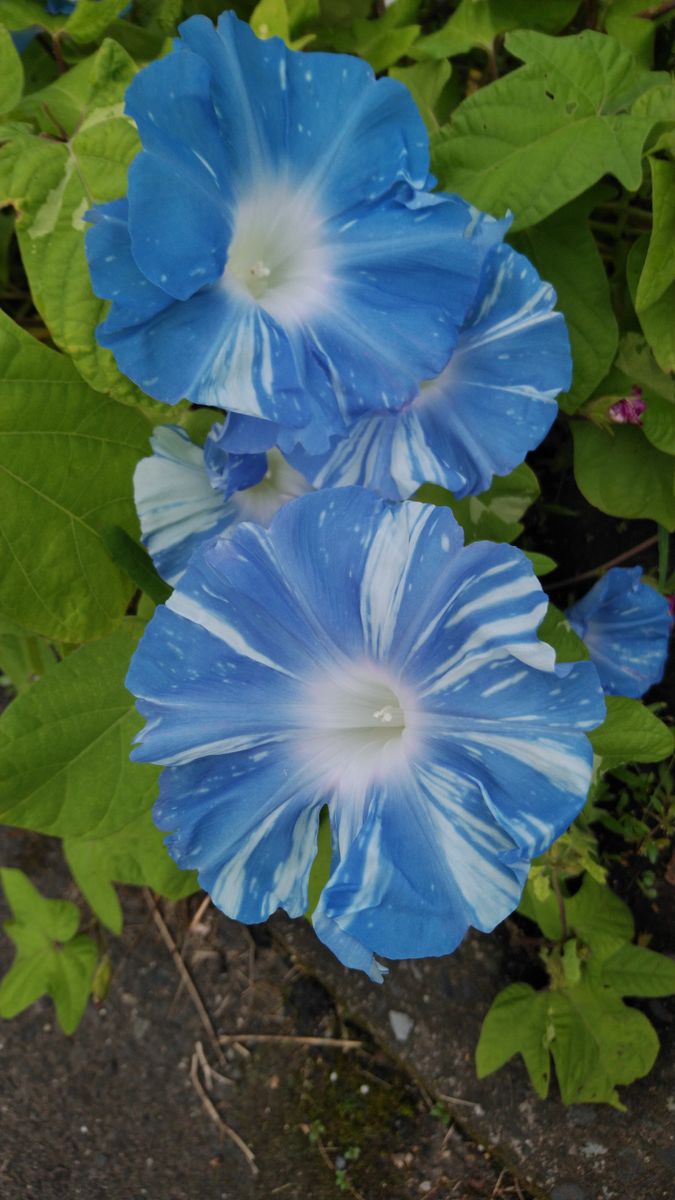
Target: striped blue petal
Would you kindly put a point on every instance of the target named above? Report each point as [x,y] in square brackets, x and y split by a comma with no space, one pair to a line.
[626,625]
[429,861]
[492,403]
[356,656]
[251,858]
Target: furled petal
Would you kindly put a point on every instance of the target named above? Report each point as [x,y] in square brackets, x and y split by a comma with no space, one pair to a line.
[348,950]
[247,435]
[185,495]
[230,473]
[491,404]
[323,663]
[112,267]
[179,232]
[626,626]
[180,189]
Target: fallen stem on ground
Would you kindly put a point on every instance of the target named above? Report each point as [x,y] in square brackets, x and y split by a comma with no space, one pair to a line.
[185,975]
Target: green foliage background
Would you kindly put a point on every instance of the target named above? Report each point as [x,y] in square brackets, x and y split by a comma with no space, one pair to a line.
[562,113]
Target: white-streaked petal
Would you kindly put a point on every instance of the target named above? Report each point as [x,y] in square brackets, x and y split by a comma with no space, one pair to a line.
[355,656]
[493,402]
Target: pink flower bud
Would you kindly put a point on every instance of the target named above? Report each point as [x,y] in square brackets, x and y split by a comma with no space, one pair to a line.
[629,410]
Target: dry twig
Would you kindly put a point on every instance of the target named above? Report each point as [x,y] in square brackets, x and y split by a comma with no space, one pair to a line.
[341,1043]
[498,1184]
[196,920]
[216,1117]
[457,1100]
[184,973]
[208,1071]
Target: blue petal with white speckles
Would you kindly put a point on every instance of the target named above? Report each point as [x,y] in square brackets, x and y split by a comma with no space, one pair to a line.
[626,626]
[493,402]
[278,229]
[186,495]
[356,656]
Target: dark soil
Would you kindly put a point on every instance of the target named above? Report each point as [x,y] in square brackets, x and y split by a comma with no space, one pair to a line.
[112,1113]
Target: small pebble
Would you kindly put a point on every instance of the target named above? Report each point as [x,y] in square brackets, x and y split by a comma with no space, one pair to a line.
[401,1025]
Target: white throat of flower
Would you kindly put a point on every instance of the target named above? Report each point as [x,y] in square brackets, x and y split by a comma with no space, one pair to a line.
[276,256]
[280,483]
[361,722]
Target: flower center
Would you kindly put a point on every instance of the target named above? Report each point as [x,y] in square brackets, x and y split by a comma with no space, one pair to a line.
[276,254]
[359,713]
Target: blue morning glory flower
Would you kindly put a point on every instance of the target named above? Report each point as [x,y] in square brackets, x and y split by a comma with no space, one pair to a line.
[185,495]
[355,656]
[493,402]
[278,254]
[626,626]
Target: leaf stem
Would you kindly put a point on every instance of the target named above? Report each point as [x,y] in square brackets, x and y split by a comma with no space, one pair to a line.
[58,55]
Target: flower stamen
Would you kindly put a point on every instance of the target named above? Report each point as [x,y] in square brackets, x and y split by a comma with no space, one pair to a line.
[390,714]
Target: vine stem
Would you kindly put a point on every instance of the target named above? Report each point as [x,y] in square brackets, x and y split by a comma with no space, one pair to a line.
[650,541]
[555,884]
